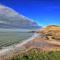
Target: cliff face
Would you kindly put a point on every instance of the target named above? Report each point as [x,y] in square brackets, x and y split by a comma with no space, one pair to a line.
[52,27]
[51,32]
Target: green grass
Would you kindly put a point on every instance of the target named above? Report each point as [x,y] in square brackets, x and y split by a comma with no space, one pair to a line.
[36,55]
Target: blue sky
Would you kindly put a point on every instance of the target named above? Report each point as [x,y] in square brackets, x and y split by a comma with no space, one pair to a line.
[44,12]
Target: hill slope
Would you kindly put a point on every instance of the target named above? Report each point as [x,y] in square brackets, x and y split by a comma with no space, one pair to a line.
[52,32]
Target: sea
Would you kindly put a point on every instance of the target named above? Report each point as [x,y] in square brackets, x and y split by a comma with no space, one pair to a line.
[10,37]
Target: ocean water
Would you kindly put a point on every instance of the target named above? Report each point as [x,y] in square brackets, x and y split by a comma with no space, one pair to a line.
[10,37]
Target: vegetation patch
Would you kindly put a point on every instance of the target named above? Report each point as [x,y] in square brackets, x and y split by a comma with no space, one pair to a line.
[35,54]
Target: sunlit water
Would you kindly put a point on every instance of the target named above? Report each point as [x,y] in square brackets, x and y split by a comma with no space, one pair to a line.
[10,37]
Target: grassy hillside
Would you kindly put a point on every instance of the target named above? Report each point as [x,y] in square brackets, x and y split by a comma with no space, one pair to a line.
[35,54]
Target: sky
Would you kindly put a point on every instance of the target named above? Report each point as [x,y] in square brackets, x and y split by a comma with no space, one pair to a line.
[44,12]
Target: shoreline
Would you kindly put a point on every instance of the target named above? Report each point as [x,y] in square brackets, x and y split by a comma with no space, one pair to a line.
[6,51]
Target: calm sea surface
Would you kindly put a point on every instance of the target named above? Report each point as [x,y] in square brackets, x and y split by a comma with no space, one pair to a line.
[10,37]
